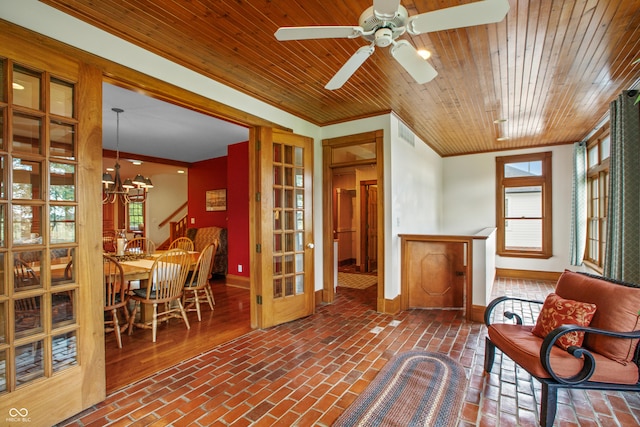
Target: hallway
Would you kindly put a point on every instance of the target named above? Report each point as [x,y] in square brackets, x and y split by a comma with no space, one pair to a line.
[307,372]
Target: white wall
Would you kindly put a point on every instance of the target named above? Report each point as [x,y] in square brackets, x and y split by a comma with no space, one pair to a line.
[470,204]
[416,198]
[174,188]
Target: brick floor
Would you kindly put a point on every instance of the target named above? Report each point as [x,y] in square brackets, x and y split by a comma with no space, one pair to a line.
[307,372]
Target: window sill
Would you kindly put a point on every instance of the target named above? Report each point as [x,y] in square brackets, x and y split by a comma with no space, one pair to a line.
[525,255]
[596,268]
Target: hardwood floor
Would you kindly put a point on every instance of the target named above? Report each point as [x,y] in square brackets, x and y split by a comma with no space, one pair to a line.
[139,357]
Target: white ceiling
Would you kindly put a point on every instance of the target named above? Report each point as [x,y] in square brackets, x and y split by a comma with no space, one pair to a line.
[155,128]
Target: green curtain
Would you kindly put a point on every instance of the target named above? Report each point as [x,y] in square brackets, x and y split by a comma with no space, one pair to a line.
[579,203]
[622,257]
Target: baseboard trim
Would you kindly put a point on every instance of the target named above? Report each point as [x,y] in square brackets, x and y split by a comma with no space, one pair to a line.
[528,274]
[392,306]
[237,281]
[477,313]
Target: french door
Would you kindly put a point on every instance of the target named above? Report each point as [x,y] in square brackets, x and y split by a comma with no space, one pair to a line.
[283,228]
[51,345]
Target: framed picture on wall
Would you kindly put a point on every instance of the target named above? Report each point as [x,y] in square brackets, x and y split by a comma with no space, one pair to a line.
[216,200]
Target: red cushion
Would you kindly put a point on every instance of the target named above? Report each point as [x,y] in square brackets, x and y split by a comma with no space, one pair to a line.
[558,311]
[618,307]
[517,342]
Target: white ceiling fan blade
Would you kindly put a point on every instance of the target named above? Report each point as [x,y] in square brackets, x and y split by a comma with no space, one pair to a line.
[317,32]
[385,9]
[465,15]
[416,66]
[350,67]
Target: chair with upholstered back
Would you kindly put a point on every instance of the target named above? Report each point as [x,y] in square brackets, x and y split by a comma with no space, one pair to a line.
[165,287]
[140,245]
[197,286]
[116,291]
[182,243]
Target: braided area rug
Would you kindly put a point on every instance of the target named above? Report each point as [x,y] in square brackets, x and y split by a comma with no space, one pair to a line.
[416,388]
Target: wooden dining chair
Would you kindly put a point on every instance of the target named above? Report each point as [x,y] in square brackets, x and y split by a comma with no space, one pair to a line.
[116,291]
[23,275]
[140,245]
[197,286]
[182,243]
[164,290]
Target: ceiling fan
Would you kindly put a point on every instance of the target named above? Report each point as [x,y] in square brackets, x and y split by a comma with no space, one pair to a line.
[385,21]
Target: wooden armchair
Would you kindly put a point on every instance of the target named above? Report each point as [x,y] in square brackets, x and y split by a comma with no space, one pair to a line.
[605,357]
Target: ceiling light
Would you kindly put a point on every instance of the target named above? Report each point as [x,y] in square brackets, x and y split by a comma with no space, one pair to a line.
[126,191]
[502,138]
[17,86]
[180,171]
[425,54]
[136,162]
[496,121]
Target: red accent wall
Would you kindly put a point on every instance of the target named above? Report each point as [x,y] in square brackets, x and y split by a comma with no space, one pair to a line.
[230,172]
[238,207]
[206,175]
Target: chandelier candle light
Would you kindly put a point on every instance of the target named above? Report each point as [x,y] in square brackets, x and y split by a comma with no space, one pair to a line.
[114,188]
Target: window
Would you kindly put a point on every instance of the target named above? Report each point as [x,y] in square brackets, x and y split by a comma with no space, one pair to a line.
[523,185]
[597,198]
[135,216]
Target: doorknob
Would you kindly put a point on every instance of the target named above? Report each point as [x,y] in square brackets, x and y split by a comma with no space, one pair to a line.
[310,245]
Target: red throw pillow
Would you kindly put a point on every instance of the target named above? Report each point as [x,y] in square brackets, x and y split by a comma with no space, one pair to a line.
[558,311]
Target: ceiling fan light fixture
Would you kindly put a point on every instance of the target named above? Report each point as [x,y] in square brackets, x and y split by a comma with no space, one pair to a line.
[384,22]
[502,138]
[424,53]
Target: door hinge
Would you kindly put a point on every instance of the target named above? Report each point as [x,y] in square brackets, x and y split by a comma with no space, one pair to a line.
[259,299]
[259,248]
[258,196]
[459,273]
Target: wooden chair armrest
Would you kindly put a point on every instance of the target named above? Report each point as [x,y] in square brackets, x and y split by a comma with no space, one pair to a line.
[589,364]
[488,312]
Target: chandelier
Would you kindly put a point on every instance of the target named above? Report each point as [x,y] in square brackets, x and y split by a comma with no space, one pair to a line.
[126,191]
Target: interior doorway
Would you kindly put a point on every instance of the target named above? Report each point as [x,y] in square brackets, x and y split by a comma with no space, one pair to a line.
[352,196]
[369,225]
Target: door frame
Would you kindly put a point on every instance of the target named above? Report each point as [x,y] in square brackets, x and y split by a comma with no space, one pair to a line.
[328,145]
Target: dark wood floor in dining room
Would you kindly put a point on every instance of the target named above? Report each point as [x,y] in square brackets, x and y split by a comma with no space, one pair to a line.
[307,372]
[139,357]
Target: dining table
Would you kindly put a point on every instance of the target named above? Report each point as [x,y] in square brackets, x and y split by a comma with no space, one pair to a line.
[140,269]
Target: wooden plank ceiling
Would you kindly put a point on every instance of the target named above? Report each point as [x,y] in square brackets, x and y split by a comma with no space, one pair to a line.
[550,69]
